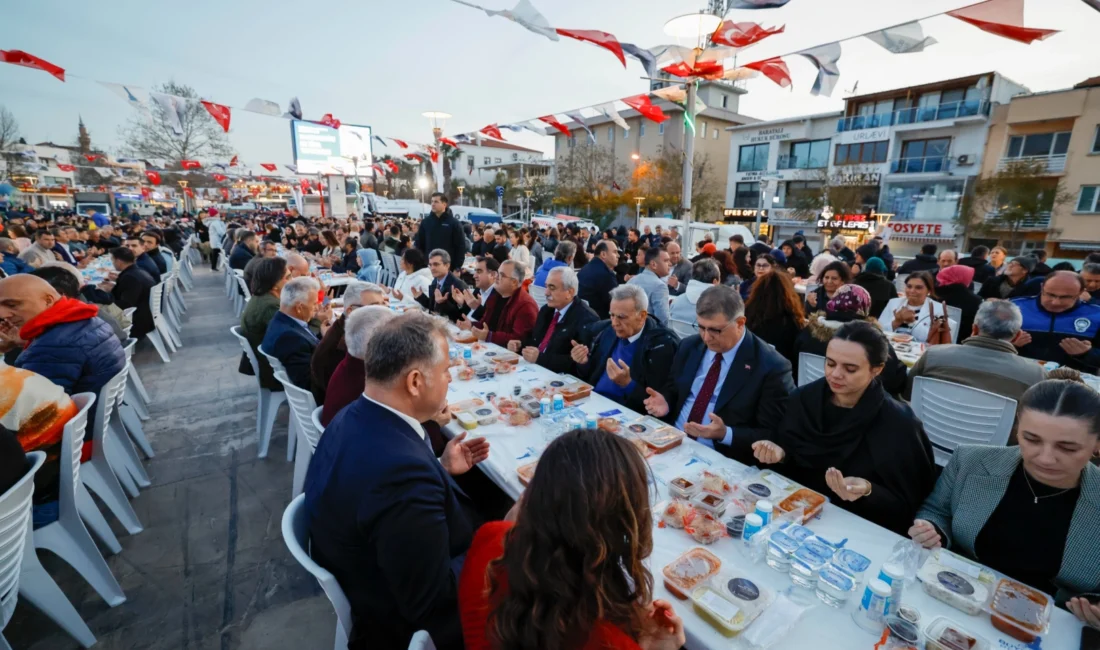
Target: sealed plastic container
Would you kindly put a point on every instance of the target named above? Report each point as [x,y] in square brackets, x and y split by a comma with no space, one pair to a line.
[852,563]
[468,422]
[1019,611]
[716,610]
[690,570]
[744,595]
[799,533]
[572,389]
[735,519]
[466,405]
[901,634]
[781,547]
[682,488]
[811,502]
[834,587]
[710,503]
[807,560]
[660,439]
[871,612]
[676,513]
[716,484]
[956,581]
[526,472]
[764,508]
[944,634]
[705,528]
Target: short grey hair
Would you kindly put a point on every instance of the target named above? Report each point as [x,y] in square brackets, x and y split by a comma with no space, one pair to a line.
[998,319]
[442,254]
[518,270]
[299,291]
[568,277]
[353,295]
[631,292]
[294,259]
[8,245]
[1094,269]
[401,344]
[953,252]
[837,244]
[720,301]
[705,271]
[360,324]
[565,251]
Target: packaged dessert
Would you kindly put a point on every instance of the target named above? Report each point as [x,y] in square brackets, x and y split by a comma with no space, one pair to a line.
[798,533]
[572,389]
[723,614]
[688,571]
[850,562]
[465,405]
[682,488]
[531,407]
[711,503]
[502,356]
[731,602]
[735,518]
[705,528]
[506,405]
[834,587]
[809,501]
[676,513]
[467,421]
[956,581]
[519,418]
[716,484]
[765,485]
[781,547]
[1019,611]
[466,373]
[659,436]
[944,634]
[807,561]
[485,415]
[526,472]
[610,425]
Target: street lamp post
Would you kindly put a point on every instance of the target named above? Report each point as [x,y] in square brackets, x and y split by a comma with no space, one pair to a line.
[638,211]
[183,184]
[528,193]
[422,184]
[438,119]
[461,189]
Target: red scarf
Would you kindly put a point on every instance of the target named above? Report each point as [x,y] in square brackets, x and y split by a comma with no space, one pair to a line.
[65,310]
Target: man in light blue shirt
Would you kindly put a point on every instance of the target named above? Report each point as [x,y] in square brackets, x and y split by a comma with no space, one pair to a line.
[656,289]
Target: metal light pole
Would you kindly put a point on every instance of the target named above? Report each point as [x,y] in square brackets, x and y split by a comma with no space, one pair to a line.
[763,194]
[438,120]
[638,211]
[528,193]
[689,154]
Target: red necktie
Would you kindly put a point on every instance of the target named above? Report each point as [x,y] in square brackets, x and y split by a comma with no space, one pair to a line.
[549,332]
[702,400]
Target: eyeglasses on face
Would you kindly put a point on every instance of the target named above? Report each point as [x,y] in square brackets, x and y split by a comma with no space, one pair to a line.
[713,331]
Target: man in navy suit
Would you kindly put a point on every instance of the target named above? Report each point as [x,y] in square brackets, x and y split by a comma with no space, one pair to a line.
[288,337]
[727,388]
[440,296]
[385,517]
[563,319]
[597,278]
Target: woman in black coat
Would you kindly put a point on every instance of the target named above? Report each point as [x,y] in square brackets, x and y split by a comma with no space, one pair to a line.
[953,288]
[844,437]
[873,279]
[774,313]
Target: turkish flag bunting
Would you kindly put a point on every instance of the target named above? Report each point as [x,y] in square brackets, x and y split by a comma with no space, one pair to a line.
[225,193]
[1003,18]
[378,168]
[434,153]
[393,166]
[66,168]
[330,121]
[154,177]
[219,177]
[449,142]
[642,104]
[233,162]
[414,156]
[775,69]
[400,143]
[553,121]
[145,192]
[220,113]
[704,69]
[19,57]
[603,39]
[269,166]
[190,164]
[742,34]
[101,188]
[92,157]
[304,183]
[492,131]
[189,192]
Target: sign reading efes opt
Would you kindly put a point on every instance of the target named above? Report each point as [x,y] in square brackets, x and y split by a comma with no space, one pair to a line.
[319,149]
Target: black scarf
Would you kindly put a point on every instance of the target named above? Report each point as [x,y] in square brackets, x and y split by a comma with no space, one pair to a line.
[813,444]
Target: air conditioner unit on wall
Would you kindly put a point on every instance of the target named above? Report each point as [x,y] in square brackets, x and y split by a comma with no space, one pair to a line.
[965,159]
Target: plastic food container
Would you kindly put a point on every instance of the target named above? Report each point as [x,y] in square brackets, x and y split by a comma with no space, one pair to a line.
[677,513]
[502,356]
[852,563]
[610,425]
[682,488]
[716,484]
[799,533]
[731,603]
[531,407]
[834,587]
[466,404]
[467,421]
[688,571]
[659,436]
[1019,611]
[781,547]
[526,472]
[901,634]
[955,581]
[712,504]
[466,373]
[485,415]
[716,610]
[766,485]
[705,528]
[807,561]
[735,518]
[944,634]
[519,418]
[811,502]
[572,389]
[645,450]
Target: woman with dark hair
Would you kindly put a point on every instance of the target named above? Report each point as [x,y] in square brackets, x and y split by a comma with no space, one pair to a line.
[268,277]
[774,313]
[873,279]
[831,278]
[953,287]
[741,262]
[535,246]
[569,573]
[414,274]
[1032,511]
[844,436]
[332,245]
[912,314]
[726,268]
[763,265]
[795,261]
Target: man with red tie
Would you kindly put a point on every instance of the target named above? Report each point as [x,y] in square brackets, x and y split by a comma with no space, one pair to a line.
[727,388]
[562,320]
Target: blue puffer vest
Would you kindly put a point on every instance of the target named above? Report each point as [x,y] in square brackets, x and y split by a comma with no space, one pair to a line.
[1047,330]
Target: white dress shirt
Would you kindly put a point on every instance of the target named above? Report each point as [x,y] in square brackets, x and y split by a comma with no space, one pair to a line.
[697,385]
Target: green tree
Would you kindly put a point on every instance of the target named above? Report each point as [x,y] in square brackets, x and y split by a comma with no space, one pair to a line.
[9,138]
[1020,196]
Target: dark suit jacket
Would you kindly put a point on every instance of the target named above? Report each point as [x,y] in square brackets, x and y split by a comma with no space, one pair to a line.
[328,354]
[570,328]
[146,263]
[387,520]
[656,349]
[751,401]
[292,345]
[596,282]
[450,308]
[132,290]
[240,257]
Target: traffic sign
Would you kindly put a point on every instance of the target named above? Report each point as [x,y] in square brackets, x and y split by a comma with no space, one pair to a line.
[500,191]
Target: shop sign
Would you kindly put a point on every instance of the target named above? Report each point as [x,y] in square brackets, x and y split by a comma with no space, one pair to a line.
[773,134]
[863,135]
[856,222]
[740,215]
[936,229]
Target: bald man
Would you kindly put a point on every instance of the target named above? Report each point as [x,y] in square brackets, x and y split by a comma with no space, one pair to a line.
[64,339]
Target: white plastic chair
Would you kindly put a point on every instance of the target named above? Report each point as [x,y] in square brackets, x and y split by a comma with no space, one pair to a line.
[811,367]
[954,317]
[164,322]
[955,415]
[682,328]
[99,474]
[122,454]
[977,287]
[128,411]
[242,297]
[539,294]
[159,327]
[21,574]
[302,406]
[296,537]
[317,420]
[67,537]
[267,401]
[422,641]
[292,436]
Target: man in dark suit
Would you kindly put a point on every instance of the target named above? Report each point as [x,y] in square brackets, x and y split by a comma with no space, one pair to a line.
[559,323]
[726,387]
[244,251]
[440,296]
[475,301]
[142,259]
[131,289]
[385,516]
[597,278]
[288,337]
[628,355]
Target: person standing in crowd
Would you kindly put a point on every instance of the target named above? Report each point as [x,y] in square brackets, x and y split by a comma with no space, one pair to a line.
[98,218]
[538,581]
[415,277]
[332,348]
[597,278]
[1041,269]
[873,279]
[842,434]
[953,287]
[385,516]
[440,295]
[628,354]
[562,320]
[831,277]
[563,256]
[288,337]
[1090,276]
[216,229]
[651,281]
[131,289]
[725,387]
[983,270]
[774,313]
[986,360]
[510,312]
[912,314]
[10,261]
[520,253]
[41,251]
[1031,511]
[997,257]
[679,270]
[441,231]
[345,385]
[244,251]
[705,274]
[1015,282]
[1058,326]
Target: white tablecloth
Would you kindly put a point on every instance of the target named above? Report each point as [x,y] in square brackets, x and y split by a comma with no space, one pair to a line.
[823,628]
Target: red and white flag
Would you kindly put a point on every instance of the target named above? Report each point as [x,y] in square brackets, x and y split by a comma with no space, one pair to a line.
[378,168]
[400,143]
[449,142]
[1002,18]
[775,69]
[492,131]
[269,166]
[596,37]
[92,157]
[233,162]
[328,120]
[414,156]
[392,165]
[643,105]
[742,34]
[220,113]
[19,57]
[154,177]
[190,164]
[433,153]
[66,168]
[219,177]
[553,121]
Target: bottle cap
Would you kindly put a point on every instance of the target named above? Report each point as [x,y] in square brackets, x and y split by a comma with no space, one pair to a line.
[763,505]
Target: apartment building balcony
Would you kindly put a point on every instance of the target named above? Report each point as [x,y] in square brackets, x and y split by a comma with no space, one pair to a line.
[1040,221]
[916,115]
[925,165]
[1045,164]
[791,161]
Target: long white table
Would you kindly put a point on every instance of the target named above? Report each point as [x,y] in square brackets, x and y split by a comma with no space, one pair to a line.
[822,628]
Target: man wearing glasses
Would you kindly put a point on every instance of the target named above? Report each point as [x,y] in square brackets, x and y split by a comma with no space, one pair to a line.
[726,387]
[1059,326]
[559,322]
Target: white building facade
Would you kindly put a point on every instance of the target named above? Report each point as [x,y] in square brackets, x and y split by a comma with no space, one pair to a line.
[34,171]
[480,161]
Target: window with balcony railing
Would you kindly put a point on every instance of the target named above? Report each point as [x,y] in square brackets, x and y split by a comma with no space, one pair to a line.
[752,158]
[922,156]
[811,154]
[916,115]
[861,153]
[1089,199]
[1038,145]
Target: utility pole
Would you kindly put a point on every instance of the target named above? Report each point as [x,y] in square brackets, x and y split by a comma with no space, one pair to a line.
[689,154]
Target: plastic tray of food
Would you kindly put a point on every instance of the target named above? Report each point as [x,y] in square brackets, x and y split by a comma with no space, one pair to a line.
[711,503]
[811,502]
[610,424]
[683,487]
[944,634]
[486,414]
[526,472]
[466,404]
[572,389]
[658,435]
[716,484]
[690,570]
[705,528]
[730,602]
[467,421]
[765,485]
[676,513]
[1019,611]
[465,336]
[956,581]
[501,356]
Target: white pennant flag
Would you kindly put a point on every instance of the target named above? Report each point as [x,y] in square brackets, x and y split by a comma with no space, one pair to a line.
[263,106]
[902,39]
[825,57]
[174,110]
[523,14]
[579,119]
[608,110]
[129,94]
[103,172]
[158,163]
[533,129]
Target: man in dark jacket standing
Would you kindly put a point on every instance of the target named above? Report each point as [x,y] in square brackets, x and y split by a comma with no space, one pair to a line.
[924,261]
[131,289]
[983,270]
[440,230]
[597,278]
